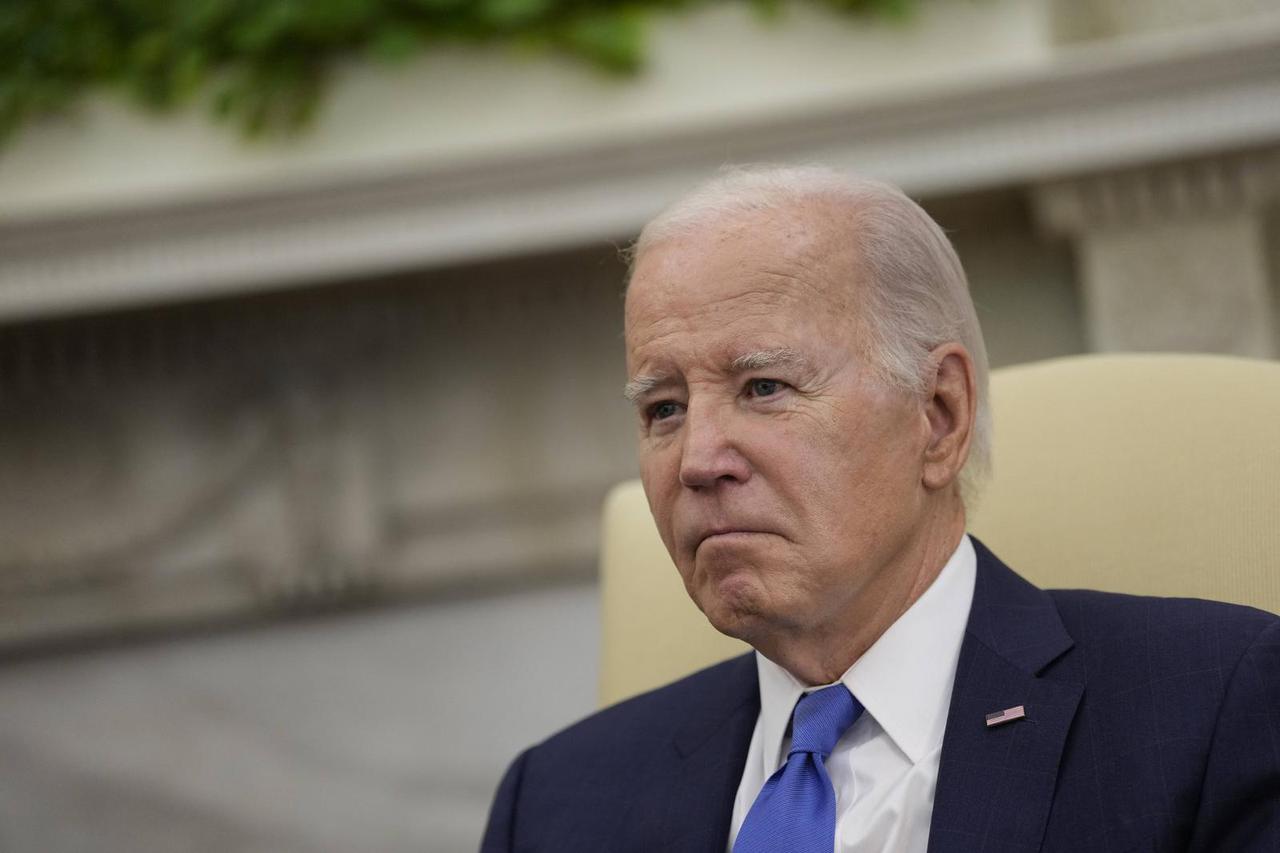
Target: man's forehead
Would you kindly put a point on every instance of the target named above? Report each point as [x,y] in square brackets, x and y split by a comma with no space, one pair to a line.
[768,255]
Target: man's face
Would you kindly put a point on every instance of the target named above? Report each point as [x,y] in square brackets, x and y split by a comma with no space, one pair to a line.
[783,477]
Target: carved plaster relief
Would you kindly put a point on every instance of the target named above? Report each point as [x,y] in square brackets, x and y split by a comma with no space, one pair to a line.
[1174,256]
[266,454]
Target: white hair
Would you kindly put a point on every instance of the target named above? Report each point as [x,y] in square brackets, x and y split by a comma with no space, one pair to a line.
[917,296]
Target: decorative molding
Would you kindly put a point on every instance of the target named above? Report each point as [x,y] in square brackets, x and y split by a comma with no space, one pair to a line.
[1091,19]
[1192,190]
[1173,256]
[1088,108]
[264,456]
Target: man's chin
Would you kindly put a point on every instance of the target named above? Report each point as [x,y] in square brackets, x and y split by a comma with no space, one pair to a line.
[734,605]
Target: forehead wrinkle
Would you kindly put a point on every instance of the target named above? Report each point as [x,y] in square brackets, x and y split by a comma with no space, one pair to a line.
[799,276]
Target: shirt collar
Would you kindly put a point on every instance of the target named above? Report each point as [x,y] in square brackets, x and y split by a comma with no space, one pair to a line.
[904,680]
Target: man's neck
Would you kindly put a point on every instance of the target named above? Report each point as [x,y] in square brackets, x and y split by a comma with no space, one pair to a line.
[822,654]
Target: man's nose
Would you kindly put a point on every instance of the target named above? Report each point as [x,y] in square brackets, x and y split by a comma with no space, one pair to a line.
[710,454]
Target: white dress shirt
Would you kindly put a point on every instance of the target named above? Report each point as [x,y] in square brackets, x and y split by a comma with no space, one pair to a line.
[885,767]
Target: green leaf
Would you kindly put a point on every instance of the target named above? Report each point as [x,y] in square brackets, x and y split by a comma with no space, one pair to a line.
[439,5]
[899,10]
[768,10]
[508,14]
[189,73]
[334,19]
[266,26]
[395,42]
[614,39]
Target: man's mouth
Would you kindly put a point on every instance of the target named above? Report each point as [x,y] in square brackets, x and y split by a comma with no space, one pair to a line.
[728,534]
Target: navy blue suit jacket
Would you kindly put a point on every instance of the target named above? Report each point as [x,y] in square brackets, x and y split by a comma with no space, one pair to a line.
[1151,725]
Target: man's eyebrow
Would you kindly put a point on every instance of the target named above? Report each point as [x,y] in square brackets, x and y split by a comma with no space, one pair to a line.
[640,386]
[767,358]
[644,383]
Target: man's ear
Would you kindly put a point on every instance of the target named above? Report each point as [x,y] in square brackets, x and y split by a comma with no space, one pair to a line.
[951,405]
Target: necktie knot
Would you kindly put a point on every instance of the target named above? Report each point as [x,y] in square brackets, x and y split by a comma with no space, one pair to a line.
[821,717]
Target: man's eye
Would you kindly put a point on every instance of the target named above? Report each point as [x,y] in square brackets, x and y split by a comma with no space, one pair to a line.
[662,411]
[764,387]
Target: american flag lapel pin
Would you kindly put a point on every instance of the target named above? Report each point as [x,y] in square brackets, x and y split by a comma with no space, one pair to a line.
[1008,715]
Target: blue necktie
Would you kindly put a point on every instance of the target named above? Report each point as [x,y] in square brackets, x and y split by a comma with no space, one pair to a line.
[796,808]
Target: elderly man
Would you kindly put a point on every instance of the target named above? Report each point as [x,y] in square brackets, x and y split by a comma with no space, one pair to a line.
[810,381]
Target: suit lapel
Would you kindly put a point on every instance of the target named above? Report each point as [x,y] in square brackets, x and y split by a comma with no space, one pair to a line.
[691,783]
[995,784]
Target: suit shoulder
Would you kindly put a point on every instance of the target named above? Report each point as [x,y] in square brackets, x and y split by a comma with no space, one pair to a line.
[577,787]
[1170,632]
[1115,609]
[638,721]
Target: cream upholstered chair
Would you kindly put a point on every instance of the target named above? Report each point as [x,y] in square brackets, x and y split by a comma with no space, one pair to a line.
[1154,474]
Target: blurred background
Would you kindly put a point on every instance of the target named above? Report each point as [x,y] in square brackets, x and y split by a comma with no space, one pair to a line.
[311,358]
